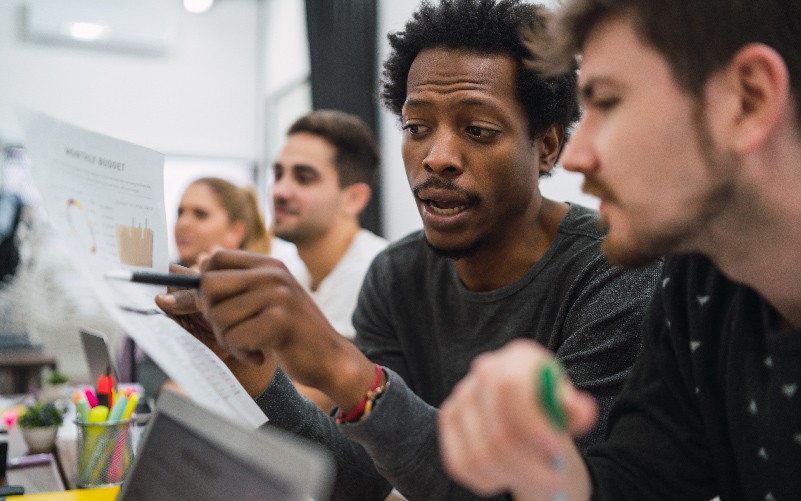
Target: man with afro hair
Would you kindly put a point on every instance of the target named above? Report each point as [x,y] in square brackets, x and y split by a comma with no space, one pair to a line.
[495,261]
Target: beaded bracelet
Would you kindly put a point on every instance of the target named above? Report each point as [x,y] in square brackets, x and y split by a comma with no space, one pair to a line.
[366,405]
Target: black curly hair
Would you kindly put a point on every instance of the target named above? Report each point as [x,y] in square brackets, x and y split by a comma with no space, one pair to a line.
[485,27]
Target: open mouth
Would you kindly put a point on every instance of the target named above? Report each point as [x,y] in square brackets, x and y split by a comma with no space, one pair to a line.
[444,199]
[445,208]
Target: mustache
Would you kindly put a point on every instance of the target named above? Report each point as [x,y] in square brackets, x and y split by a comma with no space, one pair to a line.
[443,184]
[597,188]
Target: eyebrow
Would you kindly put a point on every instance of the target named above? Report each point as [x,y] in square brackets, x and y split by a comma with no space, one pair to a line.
[587,89]
[306,168]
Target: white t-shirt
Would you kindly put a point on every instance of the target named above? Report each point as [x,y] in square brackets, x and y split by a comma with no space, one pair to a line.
[288,254]
[338,292]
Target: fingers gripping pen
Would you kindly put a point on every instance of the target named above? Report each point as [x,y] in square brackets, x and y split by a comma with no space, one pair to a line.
[550,376]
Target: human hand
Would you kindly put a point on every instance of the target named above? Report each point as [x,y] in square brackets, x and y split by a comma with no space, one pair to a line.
[495,437]
[183,306]
[204,256]
[255,307]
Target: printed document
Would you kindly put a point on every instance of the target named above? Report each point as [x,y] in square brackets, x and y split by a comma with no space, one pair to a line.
[105,199]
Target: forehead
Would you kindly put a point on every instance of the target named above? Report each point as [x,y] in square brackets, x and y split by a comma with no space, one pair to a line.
[614,55]
[308,150]
[436,73]
[200,194]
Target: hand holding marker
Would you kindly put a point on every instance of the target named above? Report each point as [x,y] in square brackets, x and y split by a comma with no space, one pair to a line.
[550,377]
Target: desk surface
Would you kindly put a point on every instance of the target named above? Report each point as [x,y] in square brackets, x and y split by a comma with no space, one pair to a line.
[96,494]
[42,477]
[22,369]
[26,358]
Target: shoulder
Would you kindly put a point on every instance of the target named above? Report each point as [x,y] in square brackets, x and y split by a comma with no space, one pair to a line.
[691,279]
[369,241]
[583,222]
[577,250]
[288,254]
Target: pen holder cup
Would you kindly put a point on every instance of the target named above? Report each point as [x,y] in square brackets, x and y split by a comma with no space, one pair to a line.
[104,452]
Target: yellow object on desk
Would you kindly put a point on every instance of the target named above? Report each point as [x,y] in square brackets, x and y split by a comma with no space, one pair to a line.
[95,494]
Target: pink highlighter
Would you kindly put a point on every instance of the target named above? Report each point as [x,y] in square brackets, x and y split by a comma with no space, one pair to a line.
[90,397]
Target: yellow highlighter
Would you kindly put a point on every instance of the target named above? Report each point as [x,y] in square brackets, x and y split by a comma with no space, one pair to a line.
[98,414]
[130,406]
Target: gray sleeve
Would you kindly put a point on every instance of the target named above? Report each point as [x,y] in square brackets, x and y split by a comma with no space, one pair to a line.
[401,435]
[357,477]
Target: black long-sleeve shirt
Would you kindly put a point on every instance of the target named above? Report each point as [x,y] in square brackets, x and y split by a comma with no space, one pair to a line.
[712,407]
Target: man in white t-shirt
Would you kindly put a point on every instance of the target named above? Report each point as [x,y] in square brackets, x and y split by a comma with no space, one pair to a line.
[323,178]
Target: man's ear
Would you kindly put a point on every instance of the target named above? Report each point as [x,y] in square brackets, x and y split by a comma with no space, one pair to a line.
[355,198]
[550,145]
[758,85]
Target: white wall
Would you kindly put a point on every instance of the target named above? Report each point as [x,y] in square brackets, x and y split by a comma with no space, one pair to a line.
[197,99]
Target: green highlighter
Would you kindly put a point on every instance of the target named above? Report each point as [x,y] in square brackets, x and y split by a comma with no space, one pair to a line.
[551,374]
[550,377]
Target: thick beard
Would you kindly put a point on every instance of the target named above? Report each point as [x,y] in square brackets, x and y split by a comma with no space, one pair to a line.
[631,256]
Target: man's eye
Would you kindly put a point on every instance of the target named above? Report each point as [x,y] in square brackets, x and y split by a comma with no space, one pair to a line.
[606,103]
[480,132]
[413,129]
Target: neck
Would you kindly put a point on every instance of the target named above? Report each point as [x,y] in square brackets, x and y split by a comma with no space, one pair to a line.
[758,242]
[768,260]
[322,255]
[505,258]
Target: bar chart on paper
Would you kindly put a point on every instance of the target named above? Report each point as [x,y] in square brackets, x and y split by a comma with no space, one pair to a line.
[106,198]
[135,244]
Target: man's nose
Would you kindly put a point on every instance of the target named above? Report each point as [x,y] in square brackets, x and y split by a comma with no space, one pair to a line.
[444,154]
[578,155]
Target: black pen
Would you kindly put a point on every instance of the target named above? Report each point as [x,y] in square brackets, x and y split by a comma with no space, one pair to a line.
[148,277]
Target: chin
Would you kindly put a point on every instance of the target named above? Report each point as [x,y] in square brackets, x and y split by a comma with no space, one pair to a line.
[457,252]
[626,257]
[629,253]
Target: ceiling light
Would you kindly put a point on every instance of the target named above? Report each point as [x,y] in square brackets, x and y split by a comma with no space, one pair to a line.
[87,31]
[198,6]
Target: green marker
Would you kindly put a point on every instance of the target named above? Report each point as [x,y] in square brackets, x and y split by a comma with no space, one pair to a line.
[550,377]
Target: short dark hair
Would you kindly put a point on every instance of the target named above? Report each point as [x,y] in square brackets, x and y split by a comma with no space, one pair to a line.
[485,27]
[695,38]
[357,158]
